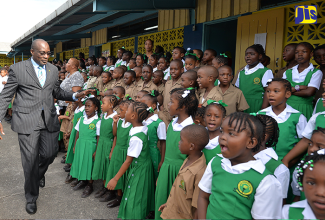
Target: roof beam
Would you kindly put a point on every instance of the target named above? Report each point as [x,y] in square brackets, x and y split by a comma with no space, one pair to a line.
[89,13]
[144,5]
[64,37]
[67,24]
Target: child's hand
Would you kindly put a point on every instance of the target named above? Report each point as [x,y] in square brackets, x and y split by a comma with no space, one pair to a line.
[162,207]
[60,117]
[111,184]
[116,118]
[4,82]
[94,155]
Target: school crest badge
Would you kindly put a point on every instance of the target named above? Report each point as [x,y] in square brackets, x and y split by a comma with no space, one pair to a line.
[244,189]
[182,186]
[67,114]
[257,80]
[92,126]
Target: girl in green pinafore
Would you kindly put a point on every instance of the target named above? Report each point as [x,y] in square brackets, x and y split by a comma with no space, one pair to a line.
[305,80]
[235,185]
[105,142]
[310,173]
[119,57]
[88,128]
[138,195]
[290,121]
[156,131]
[183,105]
[121,129]
[253,78]
[215,113]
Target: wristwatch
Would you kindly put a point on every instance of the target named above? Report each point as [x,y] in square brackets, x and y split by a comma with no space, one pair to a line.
[297,88]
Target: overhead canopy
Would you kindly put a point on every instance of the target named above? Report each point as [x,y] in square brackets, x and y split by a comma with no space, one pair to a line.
[4,47]
[76,19]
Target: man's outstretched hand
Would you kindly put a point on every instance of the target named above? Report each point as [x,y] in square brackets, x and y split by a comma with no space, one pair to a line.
[1,131]
[84,93]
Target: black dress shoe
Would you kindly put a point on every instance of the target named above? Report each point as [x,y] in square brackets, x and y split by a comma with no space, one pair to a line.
[109,196]
[69,179]
[100,192]
[31,207]
[63,161]
[115,202]
[42,182]
[74,182]
[80,185]
[87,191]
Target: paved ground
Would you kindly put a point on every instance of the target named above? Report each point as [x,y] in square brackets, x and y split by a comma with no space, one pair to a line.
[56,200]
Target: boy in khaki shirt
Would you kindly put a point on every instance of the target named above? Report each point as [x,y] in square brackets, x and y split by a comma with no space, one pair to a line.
[66,119]
[207,75]
[117,75]
[130,87]
[92,79]
[147,84]
[107,83]
[157,79]
[182,200]
[231,95]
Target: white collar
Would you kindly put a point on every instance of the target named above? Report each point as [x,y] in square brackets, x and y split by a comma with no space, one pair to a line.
[308,212]
[92,118]
[213,143]
[109,116]
[125,124]
[266,155]
[153,118]
[249,71]
[309,68]
[135,130]
[179,127]
[243,167]
[282,116]
[79,109]
[36,65]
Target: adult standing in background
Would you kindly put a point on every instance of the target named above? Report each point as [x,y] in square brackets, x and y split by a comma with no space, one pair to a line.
[148,46]
[35,83]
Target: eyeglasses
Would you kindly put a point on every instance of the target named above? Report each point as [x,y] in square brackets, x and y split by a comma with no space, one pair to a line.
[43,53]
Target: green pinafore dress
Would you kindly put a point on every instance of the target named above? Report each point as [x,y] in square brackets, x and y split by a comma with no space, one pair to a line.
[302,104]
[118,63]
[320,121]
[119,155]
[138,197]
[70,154]
[232,195]
[252,88]
[153,141]
[210,153]
[83,162]
[105,143]
[170,168]
[319,106]
[296,213]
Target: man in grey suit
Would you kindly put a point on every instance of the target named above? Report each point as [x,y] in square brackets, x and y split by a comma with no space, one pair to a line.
[35,83]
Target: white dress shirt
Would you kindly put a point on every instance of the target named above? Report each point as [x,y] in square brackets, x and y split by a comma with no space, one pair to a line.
[283,117]
[268,197]
[297,77]
[282,172]
[267,75]
[307,213]
[136,144]
[161,130]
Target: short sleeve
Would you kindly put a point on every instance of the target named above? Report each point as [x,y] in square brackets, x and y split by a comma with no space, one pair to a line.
[282,173]
[242,103]
[316,79]
[161,131]
[98,128]
[267,75]
[76,80]
[206,180]
[310,127]
[268,199]
[284,76]
[77,125]
[135,147]
[301,125]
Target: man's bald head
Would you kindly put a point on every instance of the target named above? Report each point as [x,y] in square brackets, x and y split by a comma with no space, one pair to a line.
[40,51]
[37,43]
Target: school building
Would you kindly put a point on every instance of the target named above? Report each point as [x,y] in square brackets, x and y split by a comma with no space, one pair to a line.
[229,26]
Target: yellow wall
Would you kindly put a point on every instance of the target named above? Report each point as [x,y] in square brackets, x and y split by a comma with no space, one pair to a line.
[167,39]
[84,50]
[128,44]
[4,60]
[99,37]
[169,19]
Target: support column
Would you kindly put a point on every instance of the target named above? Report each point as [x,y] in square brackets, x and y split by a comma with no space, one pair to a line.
[22,56]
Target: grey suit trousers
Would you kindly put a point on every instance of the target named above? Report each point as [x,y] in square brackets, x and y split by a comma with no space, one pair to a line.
[38,151]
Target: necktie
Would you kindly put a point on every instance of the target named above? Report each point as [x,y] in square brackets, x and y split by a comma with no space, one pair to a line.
[41,76]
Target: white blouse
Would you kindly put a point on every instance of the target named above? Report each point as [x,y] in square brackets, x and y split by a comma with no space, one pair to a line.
[161,130]
[136,144]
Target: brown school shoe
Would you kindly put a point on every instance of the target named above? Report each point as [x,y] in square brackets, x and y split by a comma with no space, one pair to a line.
[100,192]
[108,196]
[74,182]
[87,191]
[115,202]
[80,185]
[69,179]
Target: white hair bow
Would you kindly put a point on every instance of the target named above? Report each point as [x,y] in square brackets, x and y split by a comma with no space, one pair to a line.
[186,92]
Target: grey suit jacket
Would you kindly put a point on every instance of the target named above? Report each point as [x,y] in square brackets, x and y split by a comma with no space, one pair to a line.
[31,97]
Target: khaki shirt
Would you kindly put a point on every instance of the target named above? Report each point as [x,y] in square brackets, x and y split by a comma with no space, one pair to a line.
[161,88]
[70,127]
[65,122]
[131,91]
[119,82]
[182,200]
[168,88]
[234,98]
[137,83]
[148,87]
[214,94]
[99,83]
[91,81]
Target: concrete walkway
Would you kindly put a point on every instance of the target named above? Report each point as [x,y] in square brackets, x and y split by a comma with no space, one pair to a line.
[57,200]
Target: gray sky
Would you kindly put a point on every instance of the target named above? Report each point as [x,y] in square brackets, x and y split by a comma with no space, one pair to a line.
[18,16]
